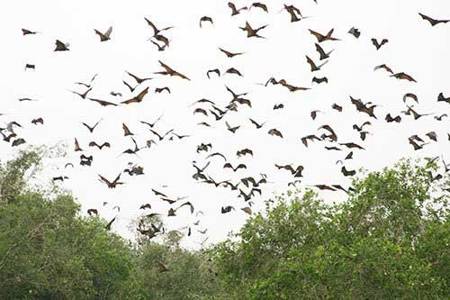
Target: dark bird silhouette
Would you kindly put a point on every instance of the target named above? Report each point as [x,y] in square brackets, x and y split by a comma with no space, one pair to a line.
[390,119]
[440,117]
[102,102]
[311,138]
[77,146]
[30,67]
[226,209]
[291,87]
[432,21]
[337,107]
[230,54]
[332,134]
[233,71]
[129,86]
[244,152]
[108,226]
[92,211]
[111,184]
[161,137]
[91,128]
[27,31]
[162,89]
[230,128]
[138,80]
[352,145]
[126,130]
[348,172]
[364,107]
[403,76]
[205,19]
[377,44]
[239,166]
[322,53]
[355,32]
[60,46]
[87,85]
[169,71]
[260,5]
[156,31]
[442,98]
[37,121]
[252,32]
[275,132]
[138,98]
[278,106]
[235,11]
[82,95]
[294,13]
[100,147]
[313,65]
[410,96]
[106,36]
[384,67]
[18,142]
[322,38]
[320,80]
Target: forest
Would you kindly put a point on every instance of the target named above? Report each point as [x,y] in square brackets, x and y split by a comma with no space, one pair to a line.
[389,240]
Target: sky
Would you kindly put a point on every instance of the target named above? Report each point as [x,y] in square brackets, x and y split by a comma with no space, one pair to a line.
[414,47]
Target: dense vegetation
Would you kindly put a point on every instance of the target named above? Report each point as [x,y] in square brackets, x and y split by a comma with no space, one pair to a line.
[390,239]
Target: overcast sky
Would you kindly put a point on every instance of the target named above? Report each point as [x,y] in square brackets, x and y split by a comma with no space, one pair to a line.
[414,47]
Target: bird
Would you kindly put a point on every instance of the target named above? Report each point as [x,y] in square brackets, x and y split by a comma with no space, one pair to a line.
[100,147]
[384,67]
[320,80]
[403,76]
[108,226]
[138,80]
[28,32]
[355,32]
[106,36]
[253,32]
[230,54]
[77,146]
[138,98]
[111,184]
[102,102]
[169,71]
[126,130]
[322,53]
[235,11]
[162,89]
[313,66]
[377,44]
[442,98]
[156,31]
[322,38]
[36,121]
[257,125]
[226,209]
[275,132]
[260,5]
[91,128]
[60,46]
[432,21]
[236,168]
[390,119]
[205,19]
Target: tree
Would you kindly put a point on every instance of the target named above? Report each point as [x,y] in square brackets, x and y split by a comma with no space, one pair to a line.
[47,250]
[388,240]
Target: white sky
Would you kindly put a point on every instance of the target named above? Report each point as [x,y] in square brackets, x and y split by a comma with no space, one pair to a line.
[414,47]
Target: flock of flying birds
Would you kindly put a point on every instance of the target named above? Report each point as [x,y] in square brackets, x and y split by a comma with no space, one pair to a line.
[215,115]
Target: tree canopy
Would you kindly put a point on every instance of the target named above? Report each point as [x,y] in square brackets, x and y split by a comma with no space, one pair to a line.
[389,239]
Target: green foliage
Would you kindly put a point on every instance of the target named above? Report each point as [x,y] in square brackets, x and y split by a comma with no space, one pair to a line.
[389,240]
